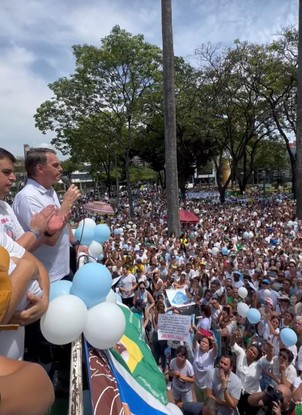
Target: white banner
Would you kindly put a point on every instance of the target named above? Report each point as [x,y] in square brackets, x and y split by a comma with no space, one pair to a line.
[177,297]
[174,327]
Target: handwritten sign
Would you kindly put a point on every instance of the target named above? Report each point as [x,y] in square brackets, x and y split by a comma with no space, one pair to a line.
[174,327]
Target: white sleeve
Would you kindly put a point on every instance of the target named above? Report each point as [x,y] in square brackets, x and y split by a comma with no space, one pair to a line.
[13,248]
[24,208]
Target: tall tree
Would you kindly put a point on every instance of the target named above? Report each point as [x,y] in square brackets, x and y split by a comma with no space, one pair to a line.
[108,92]
[170,120]
[299,121]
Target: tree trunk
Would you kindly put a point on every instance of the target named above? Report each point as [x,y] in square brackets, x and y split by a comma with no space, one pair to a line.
[170,120]
[298,166]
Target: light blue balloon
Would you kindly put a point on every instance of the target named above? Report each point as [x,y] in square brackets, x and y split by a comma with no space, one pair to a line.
[246,235]
[118,297]
[58,288]
[288,337]
[84,234]
[92,283]
[253,316]
[117,231]
[101,257]
[101,233]
[224,251]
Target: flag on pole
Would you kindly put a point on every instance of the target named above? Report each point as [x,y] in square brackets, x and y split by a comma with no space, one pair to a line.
[138,360]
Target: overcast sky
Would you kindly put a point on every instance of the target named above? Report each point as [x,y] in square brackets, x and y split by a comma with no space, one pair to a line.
[37,35]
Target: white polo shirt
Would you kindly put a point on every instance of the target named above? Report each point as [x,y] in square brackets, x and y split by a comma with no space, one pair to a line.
[32,199]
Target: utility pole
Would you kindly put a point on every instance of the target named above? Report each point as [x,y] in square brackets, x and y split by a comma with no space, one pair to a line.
[172,190]
[298,163]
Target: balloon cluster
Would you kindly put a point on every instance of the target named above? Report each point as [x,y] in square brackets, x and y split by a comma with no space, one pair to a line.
[90,234]
[86,305]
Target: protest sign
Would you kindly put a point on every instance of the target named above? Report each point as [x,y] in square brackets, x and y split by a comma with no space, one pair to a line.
[177,297]
[174,327]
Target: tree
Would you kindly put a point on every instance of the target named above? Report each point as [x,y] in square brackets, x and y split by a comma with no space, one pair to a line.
[299,122]
[170,120]
[105,97]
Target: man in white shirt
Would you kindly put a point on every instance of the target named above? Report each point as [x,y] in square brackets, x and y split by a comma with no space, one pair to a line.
[44,170]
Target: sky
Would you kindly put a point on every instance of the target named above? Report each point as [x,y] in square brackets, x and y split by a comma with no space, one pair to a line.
[37,36]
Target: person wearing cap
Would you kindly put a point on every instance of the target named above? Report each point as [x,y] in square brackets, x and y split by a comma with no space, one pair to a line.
[237,282]
[267,308]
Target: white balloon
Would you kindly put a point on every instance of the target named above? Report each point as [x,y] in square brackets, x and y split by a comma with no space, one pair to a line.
[266,293]
[243,292]
[242,309]
[64,319]
[87,222]
[111,297]
[105,325]
[95,249]
[175,410]
[215,251]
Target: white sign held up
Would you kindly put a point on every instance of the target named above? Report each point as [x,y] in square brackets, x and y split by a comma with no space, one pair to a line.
[174,327]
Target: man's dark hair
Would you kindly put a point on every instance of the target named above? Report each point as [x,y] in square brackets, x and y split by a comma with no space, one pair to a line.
[290,355]
[4,154]
[34,157]
[229,356]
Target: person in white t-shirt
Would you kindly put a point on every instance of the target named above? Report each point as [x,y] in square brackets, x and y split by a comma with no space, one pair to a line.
[30,287]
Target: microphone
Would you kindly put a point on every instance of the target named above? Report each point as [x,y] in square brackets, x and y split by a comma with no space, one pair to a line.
[67,182]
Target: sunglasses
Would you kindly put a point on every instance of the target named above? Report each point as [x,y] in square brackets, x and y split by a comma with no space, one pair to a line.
[284,356]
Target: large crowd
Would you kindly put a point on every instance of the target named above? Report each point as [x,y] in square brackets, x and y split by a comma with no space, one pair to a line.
[254,245]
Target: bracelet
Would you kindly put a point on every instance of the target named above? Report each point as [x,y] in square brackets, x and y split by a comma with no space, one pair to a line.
[48,234]
[37,234]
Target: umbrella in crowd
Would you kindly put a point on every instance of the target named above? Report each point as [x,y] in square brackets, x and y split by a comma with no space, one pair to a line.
[102,208]
[187,217]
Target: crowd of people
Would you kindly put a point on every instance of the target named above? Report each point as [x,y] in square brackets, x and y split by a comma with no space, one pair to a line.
[230,365]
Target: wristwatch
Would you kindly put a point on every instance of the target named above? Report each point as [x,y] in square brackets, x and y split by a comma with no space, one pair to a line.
[37,234]
[225,389]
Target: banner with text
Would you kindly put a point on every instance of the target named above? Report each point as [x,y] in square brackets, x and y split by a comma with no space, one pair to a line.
[174,327]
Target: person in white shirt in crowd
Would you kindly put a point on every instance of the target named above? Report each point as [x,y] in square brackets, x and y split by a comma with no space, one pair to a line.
[205,353]
[127,286]
[248,370]
[263,292]
[182,373]
[282,369]
[237,281]
[223,387]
